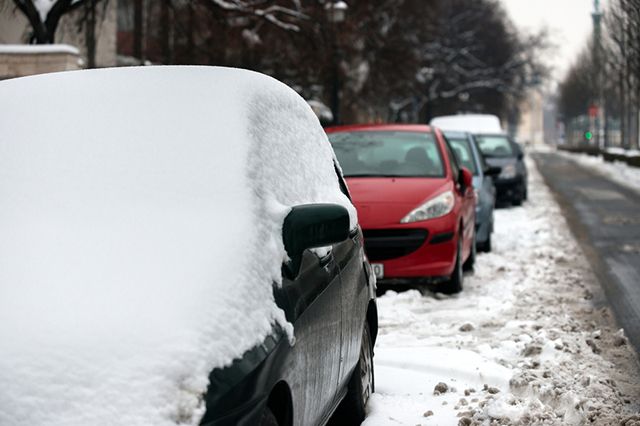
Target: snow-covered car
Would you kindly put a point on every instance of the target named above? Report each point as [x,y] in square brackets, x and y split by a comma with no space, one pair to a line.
[468,154]
[178,248]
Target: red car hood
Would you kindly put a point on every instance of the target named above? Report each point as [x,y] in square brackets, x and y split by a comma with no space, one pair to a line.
[385,201]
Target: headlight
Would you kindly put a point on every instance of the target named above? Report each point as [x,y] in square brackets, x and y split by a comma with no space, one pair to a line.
[435,207]
[508,171]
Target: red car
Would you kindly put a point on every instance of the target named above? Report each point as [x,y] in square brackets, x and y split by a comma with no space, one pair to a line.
[415,204]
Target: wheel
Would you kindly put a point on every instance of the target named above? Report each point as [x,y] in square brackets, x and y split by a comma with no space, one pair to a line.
[517,201]
[361,385]
[486,246]
[268,419]
[471,260]
[454,284]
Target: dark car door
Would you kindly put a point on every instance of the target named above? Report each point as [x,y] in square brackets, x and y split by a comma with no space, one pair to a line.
[355,294]
[312,301]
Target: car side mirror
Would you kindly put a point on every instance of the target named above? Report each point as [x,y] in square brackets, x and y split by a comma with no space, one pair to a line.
[493,171]
[313,225]
[465,179]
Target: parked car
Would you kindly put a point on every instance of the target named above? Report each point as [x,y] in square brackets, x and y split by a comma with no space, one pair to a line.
[473,123]
[415,204]
[468,155]
[498,149]
[501,151]
[187,255]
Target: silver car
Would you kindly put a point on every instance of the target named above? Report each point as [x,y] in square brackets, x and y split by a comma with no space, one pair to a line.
[469,156]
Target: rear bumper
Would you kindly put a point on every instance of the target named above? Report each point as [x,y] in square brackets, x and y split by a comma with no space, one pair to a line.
[431,258]
[510,189]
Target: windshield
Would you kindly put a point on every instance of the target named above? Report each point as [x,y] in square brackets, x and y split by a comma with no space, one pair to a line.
[462,150]
[495,146]
[388,153]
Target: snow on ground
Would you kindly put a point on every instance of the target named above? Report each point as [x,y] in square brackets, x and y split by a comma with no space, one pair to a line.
[617,171]
[524,343]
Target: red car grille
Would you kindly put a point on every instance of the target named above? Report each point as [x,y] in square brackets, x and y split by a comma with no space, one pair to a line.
[384,244]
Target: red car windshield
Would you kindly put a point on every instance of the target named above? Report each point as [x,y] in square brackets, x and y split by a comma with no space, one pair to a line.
[387,154]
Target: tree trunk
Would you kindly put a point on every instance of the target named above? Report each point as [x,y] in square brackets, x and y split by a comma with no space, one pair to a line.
[165,31]
[90,33]
[137,29]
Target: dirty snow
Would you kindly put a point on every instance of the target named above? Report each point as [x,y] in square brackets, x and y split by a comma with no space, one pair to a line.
[526,342]
[617,171]
[141,224]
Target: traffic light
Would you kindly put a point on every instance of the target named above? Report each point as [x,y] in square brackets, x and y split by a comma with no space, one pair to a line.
[588,135]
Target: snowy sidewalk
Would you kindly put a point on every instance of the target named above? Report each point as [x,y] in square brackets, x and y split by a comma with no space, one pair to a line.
[522,344]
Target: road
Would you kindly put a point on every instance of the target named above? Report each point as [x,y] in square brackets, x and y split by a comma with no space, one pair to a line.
[605,218]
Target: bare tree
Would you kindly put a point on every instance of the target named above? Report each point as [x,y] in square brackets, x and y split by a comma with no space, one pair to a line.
[44,16]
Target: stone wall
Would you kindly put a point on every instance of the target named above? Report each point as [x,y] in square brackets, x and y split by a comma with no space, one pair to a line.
[14,29]
[29,60]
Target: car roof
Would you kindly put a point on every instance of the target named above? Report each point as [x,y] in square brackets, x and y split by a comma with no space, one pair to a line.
[380,127]
[475,123]
[456,134]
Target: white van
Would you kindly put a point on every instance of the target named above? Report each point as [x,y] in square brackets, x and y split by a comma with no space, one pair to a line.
[472,123]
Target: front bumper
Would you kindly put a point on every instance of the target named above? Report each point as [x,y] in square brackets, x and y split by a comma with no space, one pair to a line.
[422,250]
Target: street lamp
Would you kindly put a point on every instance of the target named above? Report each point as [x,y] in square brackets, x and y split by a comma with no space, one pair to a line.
[336,14]
[336,11]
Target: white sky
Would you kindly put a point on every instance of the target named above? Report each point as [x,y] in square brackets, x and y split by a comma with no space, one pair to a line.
[569,22]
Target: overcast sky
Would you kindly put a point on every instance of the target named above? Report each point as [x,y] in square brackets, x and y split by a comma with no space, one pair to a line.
[569,23]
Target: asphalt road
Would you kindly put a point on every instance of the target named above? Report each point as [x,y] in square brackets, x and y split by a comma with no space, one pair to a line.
[605,217]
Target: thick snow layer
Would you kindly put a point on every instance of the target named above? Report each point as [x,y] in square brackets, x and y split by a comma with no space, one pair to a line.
[474,123]
[26,49]
[522,344]
[141,224]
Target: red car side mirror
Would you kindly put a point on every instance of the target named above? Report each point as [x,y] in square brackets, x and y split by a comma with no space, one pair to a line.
[466,178]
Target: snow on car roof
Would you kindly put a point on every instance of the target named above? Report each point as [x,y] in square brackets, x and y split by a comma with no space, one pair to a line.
[141,224]
[473,123]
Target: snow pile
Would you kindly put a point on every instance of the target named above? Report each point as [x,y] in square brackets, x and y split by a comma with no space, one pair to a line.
[26,49]
[522,344]
[617,171]
[141,233]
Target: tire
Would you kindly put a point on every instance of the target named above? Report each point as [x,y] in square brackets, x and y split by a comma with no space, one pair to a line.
[517,202]
[352,409]
[268,418]
[471,260]
[454,284]
[486,246]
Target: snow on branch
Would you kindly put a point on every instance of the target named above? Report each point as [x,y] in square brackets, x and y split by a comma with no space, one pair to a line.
[276,14]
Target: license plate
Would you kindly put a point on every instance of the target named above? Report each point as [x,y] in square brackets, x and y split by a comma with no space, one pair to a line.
[378,270]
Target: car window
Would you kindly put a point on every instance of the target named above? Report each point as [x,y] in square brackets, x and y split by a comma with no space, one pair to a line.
[387,153]
[495,145]
[462,149]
